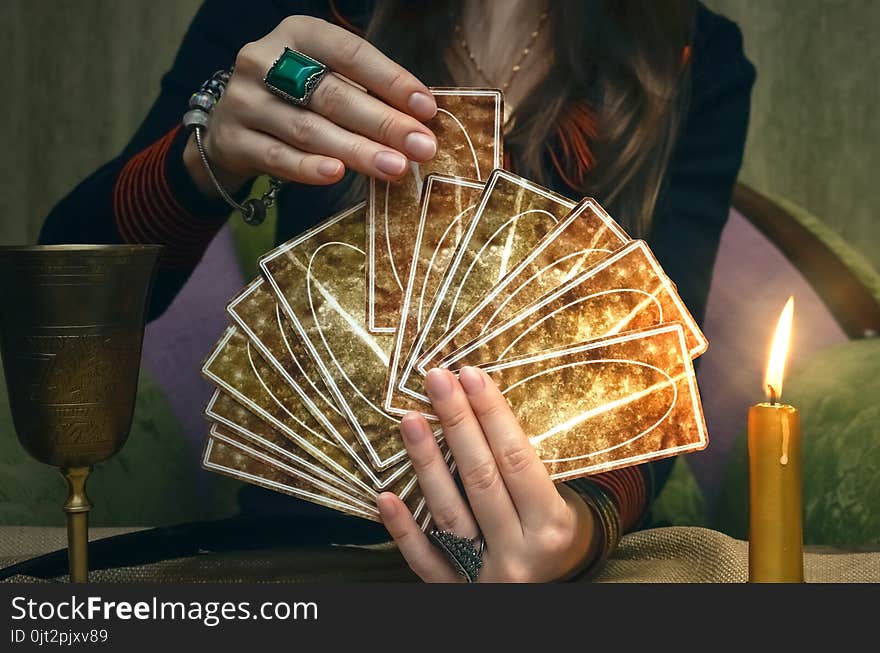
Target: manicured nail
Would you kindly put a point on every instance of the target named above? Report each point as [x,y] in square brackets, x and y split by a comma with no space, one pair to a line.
[422,106]
[391,163]
[412,428]
[438,383]
[330,168]
[419,146]
[471,380]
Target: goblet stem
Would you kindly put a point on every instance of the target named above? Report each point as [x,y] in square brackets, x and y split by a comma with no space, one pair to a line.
[77,508]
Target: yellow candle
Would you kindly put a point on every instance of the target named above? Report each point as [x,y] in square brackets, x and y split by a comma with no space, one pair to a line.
[775,481]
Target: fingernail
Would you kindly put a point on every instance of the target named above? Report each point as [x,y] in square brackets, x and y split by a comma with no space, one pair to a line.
[438,383]
[391,163]
[422,106]
[386,504]
[329,168]
[471,380]
[412,428]
[419,146]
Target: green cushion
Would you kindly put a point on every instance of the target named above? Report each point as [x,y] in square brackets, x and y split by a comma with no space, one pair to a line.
[838,395]
[151,482]
[681,502]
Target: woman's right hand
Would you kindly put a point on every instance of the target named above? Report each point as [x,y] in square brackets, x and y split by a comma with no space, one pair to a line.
[369,120]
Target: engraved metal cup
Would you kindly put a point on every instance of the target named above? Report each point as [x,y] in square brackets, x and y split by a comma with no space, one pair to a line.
[71,330]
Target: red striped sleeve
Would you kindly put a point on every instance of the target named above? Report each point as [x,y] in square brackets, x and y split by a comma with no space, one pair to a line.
[147,212]
[628,489]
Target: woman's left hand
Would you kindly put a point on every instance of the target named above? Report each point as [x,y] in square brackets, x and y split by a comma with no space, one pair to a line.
[534,531]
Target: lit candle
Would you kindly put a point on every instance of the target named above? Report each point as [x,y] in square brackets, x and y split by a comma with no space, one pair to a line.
[775,486]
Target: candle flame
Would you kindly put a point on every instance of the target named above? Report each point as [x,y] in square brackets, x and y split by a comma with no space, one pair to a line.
[779,352]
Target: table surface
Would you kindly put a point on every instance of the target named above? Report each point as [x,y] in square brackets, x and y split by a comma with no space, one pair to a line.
[663,555]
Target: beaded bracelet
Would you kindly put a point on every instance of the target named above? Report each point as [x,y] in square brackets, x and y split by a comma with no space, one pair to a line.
[201,104]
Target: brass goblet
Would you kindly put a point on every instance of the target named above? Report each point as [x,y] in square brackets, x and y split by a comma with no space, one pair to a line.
[71,332]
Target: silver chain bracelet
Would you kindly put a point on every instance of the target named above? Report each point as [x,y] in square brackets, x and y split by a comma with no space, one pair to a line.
[201,104]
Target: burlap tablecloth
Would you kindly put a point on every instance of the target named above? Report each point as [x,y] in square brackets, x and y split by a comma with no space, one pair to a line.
[663,555]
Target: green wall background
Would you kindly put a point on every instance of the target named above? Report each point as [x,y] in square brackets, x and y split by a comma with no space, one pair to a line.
[814,136]
[80,75]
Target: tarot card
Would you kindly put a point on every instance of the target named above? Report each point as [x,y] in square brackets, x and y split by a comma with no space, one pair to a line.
[229,455]
[241,372]
[318,278]
[447,207]
[582,239]
[607,403]
[625,292]
[469,144]
[513,215]
[259,434]
[239,423]
[259,316]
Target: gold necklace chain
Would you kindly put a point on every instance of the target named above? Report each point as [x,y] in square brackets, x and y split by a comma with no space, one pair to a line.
[516,67]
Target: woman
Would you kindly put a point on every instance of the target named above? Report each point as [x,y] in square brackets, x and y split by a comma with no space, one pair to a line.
[643,105]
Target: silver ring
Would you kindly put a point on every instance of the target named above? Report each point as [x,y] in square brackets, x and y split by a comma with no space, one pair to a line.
[465,555]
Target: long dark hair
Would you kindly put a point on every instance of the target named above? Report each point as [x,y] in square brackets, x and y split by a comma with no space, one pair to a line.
[605,118]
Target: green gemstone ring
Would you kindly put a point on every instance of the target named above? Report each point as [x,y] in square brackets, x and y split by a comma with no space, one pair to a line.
[294,77]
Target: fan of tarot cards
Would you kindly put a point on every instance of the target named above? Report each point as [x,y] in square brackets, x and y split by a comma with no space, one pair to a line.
[460,263]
